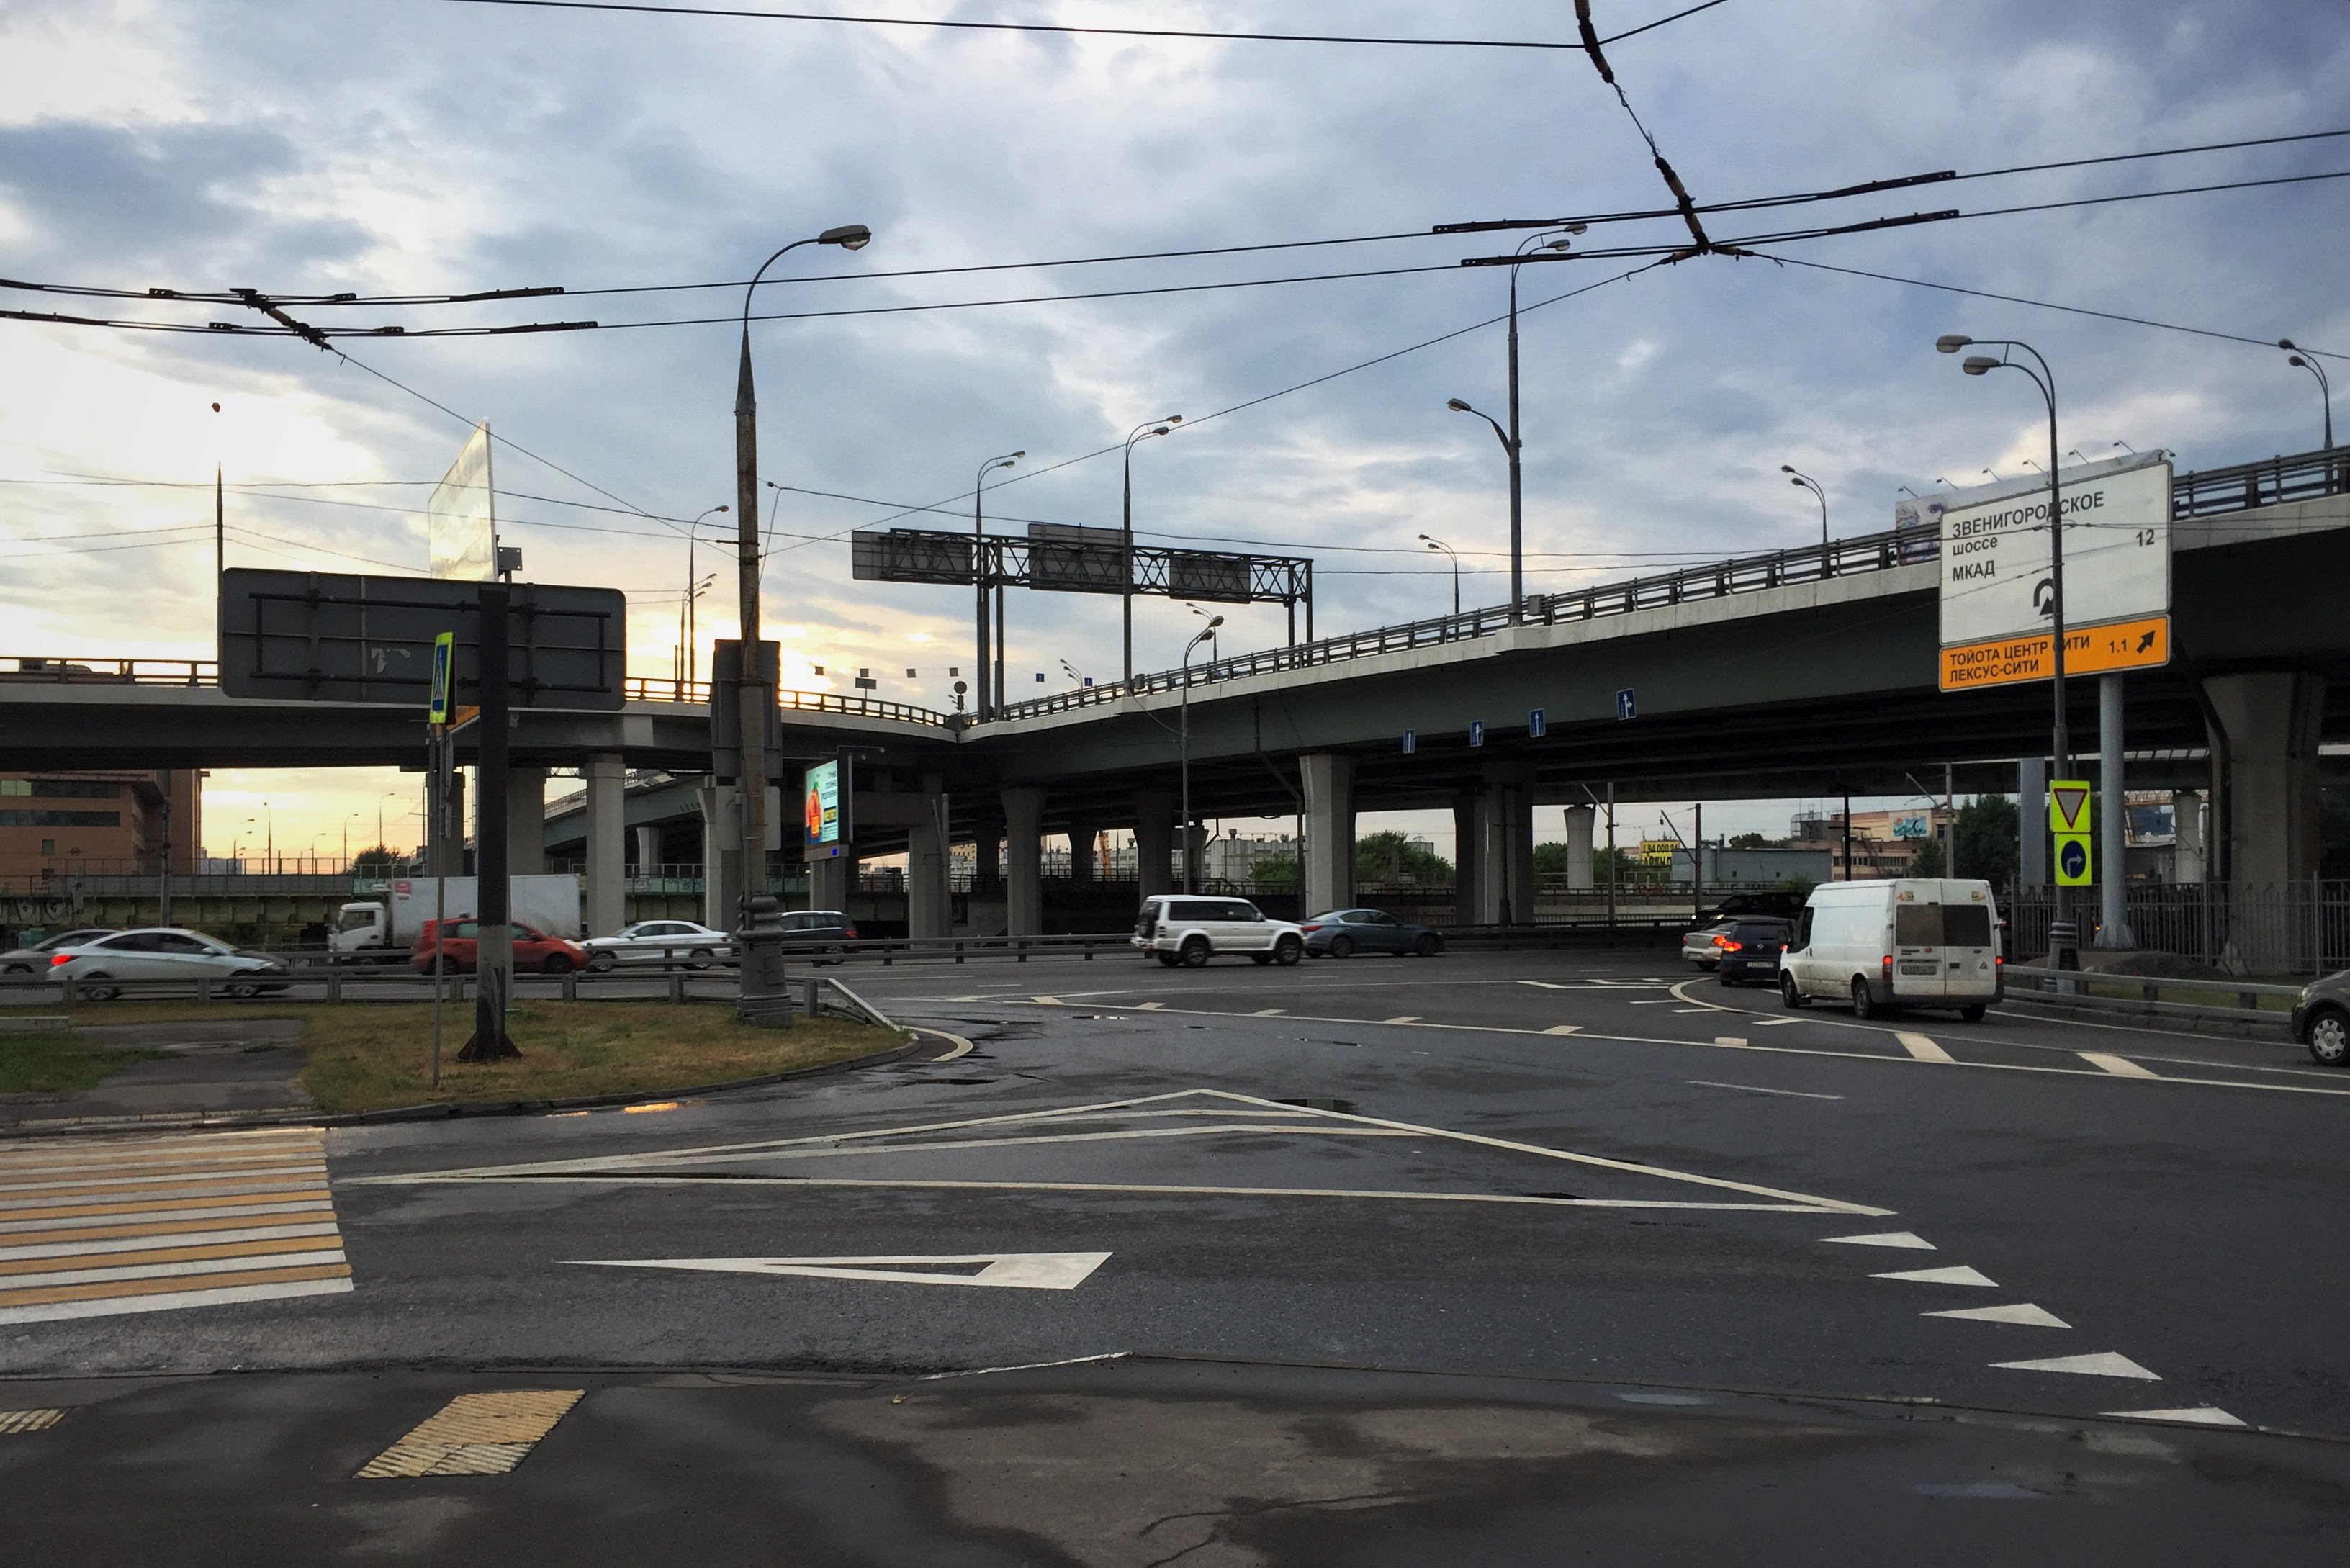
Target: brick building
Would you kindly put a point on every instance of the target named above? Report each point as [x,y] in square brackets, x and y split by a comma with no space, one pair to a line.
[97,822]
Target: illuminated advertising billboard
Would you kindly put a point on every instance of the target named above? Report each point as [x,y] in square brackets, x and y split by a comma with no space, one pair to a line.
[824,805]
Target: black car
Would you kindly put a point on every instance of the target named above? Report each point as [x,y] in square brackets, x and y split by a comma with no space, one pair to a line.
[821,935]
[1750,950]
[1343,933]
[1775,903]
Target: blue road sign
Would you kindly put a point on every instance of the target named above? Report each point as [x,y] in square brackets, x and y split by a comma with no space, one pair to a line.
[1534,725]
[1476,731]
[1411,741]
[1623,709]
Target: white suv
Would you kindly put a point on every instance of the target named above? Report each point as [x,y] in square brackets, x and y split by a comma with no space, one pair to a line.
[1184,928]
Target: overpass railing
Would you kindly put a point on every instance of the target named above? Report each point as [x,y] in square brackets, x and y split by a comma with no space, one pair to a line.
[2242,486]
[635,689]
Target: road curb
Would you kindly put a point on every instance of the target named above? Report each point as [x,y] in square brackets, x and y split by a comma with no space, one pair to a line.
[164,1122]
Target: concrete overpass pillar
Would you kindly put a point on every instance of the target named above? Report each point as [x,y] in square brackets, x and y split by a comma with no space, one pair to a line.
[1579,820]
[2270,724]
[721,856]
[1506,819]
[1023,889]
[1154,841]
[1468,861]
[1329,882]
[986,862]
[649,850]
[1082,869]
[525,821]
[606,908]
[929,898]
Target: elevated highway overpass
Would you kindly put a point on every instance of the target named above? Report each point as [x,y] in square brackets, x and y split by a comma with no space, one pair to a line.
[1800,672]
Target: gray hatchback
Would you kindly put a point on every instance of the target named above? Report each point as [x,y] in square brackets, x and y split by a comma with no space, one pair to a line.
[2321,1018]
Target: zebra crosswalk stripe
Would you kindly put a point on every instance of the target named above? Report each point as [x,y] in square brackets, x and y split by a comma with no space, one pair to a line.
[165,1223]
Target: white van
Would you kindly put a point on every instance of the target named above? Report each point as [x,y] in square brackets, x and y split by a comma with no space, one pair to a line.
[1176,928]
[1916,942]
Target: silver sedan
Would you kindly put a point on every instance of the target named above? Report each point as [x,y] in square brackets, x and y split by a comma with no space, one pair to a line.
[659,942]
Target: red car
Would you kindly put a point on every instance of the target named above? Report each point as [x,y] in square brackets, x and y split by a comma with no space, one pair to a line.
[531,950]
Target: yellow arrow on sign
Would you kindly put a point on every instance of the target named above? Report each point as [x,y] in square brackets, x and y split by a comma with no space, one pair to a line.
[2068,805]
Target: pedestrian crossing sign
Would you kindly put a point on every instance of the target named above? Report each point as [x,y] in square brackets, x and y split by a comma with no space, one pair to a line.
[2069,806]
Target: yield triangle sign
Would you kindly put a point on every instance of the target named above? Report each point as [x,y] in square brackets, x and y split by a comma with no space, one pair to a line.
[2068,805]
[1017,1270]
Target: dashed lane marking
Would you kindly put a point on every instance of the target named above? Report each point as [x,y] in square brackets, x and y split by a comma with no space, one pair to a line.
[475,1434]
[1268,1013]
[1757,1089]
[1959,1274]
[1775,1023]
[1150,1006]
[2197,1415]
[2022,1313]
[2100,1364]
[164,1223]
[2119,1066]
[1740,1040]
[1909,1240]
[1402,1018]
[1920,1046]
[12,1422]
[1564,1029]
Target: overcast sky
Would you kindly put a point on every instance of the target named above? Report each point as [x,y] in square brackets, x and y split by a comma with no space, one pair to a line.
[425,146]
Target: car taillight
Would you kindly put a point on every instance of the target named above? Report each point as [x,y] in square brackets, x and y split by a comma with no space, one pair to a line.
[1888,969]
[1313,925]
[56,959]
[1726,945]
[852,933]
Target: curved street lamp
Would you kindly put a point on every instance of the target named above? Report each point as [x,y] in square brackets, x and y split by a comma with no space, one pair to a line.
[692,593]
[1440,545]
[1805,482]
[2295,355]
[982,708]
[1207,634]
[1142,432]
[2045,379]
[752,778]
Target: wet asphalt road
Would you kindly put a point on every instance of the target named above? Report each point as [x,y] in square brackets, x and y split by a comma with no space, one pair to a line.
[1546,1167]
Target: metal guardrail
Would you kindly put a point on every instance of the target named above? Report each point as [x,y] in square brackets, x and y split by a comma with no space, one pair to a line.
[2201,493]
[2153,993]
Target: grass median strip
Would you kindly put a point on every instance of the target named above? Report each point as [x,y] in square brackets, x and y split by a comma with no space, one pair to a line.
[361,1056]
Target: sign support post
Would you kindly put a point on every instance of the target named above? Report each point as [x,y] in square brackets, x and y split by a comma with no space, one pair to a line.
[2113,888]
[493,948]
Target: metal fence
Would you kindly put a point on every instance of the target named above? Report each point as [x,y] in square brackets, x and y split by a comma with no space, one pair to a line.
[2282,930]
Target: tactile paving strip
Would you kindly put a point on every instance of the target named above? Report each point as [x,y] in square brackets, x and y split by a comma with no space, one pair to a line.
[12,1421]
[475,1434]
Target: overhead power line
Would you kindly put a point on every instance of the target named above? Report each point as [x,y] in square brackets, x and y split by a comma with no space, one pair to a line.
[1187,33]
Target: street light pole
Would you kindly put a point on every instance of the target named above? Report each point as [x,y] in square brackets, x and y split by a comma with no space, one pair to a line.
[1142,432]
[1183,827]
[693,586]
[2325,387]
[2045,379]
[1440,545]
[1805,482]
[981,709]
[752,778]
[1509,450]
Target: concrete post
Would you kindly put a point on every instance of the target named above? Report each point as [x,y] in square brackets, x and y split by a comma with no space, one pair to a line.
[1154,841]
[2186,862]
[606,908]
[1469,860]
[2031,823]
[2113,823]
[2271,719]
[1024,890]
[525,821]
[1194,853]
[1579,863]
[721,856]
[1082,869]
[649,850]
[986,855]
[929,900]
[1329,831]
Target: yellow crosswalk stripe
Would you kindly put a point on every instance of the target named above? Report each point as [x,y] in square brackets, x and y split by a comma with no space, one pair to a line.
[165,1223]
[475,1434]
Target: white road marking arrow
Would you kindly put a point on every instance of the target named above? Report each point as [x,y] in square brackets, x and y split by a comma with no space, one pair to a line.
[1017,1270]
[2024,1312]
[2103,1364]
[1909,1238]
[2201,1415]
[1961,1275]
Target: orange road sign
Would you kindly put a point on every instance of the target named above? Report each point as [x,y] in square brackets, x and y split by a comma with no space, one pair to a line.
[2142,644]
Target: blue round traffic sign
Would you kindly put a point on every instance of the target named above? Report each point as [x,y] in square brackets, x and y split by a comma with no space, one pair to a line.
[2073,857]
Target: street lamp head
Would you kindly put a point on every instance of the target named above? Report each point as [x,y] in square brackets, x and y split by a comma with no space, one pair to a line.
[1979,364]
[849,237]
[1559,246]
[1574,228]
[2295,360]
[1458,407]
[1952,342]
[1798,481]
[1787,468]
[2281,342]
[729,508]
[1216,621]
[1162,429]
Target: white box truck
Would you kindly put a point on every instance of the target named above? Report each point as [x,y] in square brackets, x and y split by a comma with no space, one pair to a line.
[1912,942]
[384,930]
